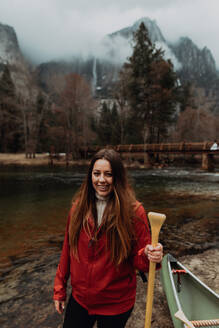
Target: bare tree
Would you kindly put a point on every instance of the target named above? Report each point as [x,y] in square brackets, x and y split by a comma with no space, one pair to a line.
[76,104]
[121,98]
[195,125]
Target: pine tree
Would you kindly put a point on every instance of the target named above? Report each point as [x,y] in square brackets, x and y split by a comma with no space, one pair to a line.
[106,126]
[151,90]
[103,126]
[115,126]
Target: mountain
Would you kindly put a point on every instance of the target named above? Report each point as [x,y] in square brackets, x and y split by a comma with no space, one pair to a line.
[196,64]
[154,30]
[102,68]
[11,55]
[193,65]
[9,48]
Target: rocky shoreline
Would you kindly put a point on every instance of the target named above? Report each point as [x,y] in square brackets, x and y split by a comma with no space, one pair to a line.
[19,160]
[26,291]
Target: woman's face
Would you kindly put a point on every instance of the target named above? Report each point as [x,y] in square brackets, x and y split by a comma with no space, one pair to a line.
[102,178]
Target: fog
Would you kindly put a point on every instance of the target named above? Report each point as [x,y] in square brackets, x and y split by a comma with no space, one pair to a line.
[52,29]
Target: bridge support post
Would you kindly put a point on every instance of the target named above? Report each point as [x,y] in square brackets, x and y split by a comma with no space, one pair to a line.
[207,162]
[147,161]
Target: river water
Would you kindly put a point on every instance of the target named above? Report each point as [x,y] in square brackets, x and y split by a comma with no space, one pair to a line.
[34,205]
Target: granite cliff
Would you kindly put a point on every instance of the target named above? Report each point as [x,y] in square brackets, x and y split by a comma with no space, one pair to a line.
[11,55]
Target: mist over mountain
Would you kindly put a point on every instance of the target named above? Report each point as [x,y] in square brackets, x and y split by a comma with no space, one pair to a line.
[101,66]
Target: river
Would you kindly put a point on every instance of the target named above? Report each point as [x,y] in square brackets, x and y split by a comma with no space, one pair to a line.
[34,205]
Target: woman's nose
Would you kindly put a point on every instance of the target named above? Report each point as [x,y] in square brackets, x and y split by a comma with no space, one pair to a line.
[102,178]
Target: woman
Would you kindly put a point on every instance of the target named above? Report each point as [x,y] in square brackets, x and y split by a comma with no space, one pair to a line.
[107,238]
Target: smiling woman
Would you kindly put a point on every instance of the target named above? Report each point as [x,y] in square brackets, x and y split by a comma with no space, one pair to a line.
[107,238]
[102,178]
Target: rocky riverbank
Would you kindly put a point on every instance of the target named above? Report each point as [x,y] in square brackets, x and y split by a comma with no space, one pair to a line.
[40,160]
[21,160]
[44,160]
[26,280]
[26,291]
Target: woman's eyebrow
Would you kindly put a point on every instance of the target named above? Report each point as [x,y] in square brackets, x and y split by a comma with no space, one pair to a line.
[96,170]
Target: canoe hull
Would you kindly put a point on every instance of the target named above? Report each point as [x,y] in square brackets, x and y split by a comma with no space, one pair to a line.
[184,291]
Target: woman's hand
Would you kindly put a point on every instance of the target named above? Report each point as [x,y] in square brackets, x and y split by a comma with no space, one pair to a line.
[154,254]
[60,306]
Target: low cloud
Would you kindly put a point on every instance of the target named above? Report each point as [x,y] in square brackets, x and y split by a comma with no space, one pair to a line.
[116,49]
[168,54]
[50,29]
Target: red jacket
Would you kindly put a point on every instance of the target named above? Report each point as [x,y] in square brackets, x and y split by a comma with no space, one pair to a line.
[97,284]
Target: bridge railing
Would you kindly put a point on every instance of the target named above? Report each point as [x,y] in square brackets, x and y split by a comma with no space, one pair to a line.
[180,147]
[162,147]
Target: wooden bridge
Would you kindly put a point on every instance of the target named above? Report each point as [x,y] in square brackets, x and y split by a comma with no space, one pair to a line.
[149,153]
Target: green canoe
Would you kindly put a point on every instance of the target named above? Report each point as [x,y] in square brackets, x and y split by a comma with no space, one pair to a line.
[185,292]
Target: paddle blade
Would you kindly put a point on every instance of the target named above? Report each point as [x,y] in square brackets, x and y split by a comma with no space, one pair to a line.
[181,316]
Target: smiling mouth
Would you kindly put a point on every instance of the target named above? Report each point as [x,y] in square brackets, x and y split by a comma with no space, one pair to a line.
[103,187]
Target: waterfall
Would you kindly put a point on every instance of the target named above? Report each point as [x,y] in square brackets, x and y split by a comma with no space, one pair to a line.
[94,71]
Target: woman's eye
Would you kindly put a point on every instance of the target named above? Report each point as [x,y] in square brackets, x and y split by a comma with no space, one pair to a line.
[107,174]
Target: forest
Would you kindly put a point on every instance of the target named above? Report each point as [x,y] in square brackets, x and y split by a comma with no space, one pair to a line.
[148,104]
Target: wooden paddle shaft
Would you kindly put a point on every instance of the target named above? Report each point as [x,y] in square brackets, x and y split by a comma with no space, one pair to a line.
[156,222]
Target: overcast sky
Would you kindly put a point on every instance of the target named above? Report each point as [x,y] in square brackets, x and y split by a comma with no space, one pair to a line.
[48,29]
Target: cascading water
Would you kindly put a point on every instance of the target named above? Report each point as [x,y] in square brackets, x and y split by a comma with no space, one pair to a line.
[94,71]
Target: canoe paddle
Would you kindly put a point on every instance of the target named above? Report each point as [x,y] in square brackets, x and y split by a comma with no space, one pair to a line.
[181,316]
[156,222]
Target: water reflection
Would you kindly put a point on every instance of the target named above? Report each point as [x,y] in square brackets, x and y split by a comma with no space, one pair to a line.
[34,204]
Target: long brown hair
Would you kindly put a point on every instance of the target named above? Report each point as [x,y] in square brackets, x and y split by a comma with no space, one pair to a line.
[119,212]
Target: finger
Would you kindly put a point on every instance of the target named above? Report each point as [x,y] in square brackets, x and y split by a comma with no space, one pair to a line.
[150,248]
[146,250]
[155,260]
[62,306]
[155,256]
[157,253]
[159,247]
[58,307]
